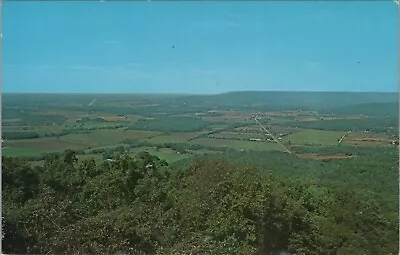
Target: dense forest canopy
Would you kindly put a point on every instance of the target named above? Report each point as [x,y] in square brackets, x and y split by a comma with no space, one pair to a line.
[225,205]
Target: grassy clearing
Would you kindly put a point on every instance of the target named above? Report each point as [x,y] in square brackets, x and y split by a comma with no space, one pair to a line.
[164,153]
[22,152]
[317,137]
[238,145]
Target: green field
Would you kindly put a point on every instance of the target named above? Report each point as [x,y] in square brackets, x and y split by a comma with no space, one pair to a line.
[316,137]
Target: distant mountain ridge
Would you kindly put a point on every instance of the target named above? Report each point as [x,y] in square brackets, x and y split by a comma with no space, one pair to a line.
[321,100]
[255,100]
[390,109]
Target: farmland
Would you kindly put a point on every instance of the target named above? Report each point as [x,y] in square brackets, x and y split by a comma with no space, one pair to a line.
[35,127]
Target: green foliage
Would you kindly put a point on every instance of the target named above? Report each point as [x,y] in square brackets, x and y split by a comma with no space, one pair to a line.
[141,205]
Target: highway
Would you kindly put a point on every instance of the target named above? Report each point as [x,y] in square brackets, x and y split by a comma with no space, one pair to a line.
[273,137]
[341,139]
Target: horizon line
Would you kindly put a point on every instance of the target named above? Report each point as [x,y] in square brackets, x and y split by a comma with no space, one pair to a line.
[182,93]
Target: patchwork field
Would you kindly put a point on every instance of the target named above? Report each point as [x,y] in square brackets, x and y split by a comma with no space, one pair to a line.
[104,124]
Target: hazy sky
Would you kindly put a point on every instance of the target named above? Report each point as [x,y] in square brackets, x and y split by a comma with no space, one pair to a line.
[199,47]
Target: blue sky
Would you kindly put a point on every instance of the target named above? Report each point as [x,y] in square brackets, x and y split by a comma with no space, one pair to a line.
[199,47]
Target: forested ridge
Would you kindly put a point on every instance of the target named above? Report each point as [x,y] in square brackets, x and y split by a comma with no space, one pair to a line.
[238,203]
